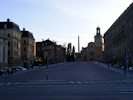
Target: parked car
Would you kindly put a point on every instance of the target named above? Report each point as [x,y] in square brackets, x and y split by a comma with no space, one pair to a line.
[17,68]
[122,67]
[3,69]
[130,69]
[115,65]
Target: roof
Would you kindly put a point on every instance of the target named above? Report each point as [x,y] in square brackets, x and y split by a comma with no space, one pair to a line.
[3,35]
[45,43]
[27,34]
[6,25]
[48,42]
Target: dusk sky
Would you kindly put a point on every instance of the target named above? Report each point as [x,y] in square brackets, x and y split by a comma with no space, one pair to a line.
[63,20]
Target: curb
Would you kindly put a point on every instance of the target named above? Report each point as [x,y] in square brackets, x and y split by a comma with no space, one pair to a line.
[44,83]
[125,90]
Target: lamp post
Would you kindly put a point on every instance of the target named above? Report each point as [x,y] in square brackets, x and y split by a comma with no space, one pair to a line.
[108,62]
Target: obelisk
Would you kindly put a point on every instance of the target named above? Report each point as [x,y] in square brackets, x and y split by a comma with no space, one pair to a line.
[78,45]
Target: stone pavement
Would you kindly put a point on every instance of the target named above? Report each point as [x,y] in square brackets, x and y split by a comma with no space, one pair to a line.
[121,71]
[33,69]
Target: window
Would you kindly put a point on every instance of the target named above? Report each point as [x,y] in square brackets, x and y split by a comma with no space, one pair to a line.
[4,40]
[91,46]
[14,34]
[42,48]
[8,34]
[24,49]
[92,53]
[8,52]
[3,58]
[19,45]
[19,37]
[98,50]
[14,44]
[24,42]
[5,26]
[14,53]
[8,43]
[3,50]
[50,47]
[19,54]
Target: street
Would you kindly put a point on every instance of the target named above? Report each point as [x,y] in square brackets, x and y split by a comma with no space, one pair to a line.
[67,81]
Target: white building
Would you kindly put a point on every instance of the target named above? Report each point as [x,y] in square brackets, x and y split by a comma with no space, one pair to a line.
[3,50]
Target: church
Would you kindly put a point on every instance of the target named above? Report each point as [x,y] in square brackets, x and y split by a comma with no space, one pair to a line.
[94,50]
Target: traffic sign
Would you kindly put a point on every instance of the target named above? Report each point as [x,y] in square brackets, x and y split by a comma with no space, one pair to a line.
[126,59]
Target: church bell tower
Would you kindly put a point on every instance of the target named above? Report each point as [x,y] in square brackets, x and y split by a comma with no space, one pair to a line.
[98,38]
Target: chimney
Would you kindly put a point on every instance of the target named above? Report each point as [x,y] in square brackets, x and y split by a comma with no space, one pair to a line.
[23,29]
[8,20]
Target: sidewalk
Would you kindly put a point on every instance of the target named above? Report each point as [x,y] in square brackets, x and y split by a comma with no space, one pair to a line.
[33,69]
[121,71]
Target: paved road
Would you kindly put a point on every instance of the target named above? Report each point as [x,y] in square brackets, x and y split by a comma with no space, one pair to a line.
[68,81]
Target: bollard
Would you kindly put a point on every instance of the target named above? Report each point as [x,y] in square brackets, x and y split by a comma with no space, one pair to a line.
[47,74]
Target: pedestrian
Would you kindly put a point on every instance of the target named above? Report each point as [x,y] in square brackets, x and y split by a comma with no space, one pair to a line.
[124,70]
[7,72]
[32,66]
[10,70]
[4,73]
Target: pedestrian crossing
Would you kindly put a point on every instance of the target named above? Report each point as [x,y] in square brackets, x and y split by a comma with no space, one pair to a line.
[9,83]
[101,82]
[77,82]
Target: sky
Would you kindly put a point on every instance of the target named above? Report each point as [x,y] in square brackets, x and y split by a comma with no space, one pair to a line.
[63,20]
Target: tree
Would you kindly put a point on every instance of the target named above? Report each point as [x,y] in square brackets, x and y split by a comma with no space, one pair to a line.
[73,53]
[69,49]
[70,53]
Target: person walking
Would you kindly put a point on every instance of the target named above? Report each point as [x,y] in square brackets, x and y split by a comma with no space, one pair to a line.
[124,69]
[10,71]
[7,72]
[4,73]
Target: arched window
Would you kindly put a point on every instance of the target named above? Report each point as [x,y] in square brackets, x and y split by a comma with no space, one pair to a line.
[8,34]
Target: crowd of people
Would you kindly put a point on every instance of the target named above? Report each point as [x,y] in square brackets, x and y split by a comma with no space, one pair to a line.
[7,72]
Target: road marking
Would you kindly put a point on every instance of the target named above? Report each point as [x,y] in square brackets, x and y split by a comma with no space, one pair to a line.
[16,83]
[9,83]
[38,86]
[2,83]
[126,81]
[78,82]
[119,81]
[86,82]
[92,82]
[113,81]
[71,82]
[98,81]
[106,82]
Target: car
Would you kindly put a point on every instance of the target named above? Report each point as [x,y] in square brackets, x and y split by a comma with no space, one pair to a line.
[122,67]
[4,69]
[130,69]
[115,65]
[17,68]
[119,66]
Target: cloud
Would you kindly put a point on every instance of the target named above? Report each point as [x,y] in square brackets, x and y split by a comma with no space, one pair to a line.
[74,10]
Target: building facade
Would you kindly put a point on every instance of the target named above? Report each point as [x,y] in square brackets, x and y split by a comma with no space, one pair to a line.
[14,44]
[94,50]
[3,50]
[118,38]
[50,49]
[28,48]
